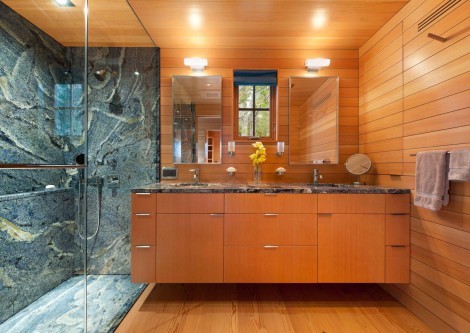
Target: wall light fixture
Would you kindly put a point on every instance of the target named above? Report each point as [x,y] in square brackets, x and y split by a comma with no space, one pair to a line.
[196,64]
[280,148]
[64,3]
[231,148]
[315,64]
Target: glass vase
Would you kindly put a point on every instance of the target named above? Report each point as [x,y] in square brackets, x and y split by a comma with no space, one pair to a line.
[257,174]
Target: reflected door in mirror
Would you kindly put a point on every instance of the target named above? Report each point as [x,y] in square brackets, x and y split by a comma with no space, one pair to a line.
[197,119]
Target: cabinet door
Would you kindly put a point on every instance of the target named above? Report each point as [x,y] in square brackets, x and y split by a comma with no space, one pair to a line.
[351,247]
[190,248]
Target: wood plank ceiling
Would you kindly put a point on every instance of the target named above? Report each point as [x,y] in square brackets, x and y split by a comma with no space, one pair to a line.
[242,24]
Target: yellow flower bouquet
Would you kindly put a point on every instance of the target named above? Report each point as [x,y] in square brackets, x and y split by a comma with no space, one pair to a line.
[258,157]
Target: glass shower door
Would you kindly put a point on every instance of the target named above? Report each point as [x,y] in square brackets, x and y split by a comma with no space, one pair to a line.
[42,136]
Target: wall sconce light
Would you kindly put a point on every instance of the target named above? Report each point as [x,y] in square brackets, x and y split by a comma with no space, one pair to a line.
[231,148]
[64,3]
[196,64]
[315,64]
[280,148]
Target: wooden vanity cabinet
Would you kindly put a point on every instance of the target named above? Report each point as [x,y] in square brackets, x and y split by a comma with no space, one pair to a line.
[363,238]
[143,240]
[270,238]
[190,237]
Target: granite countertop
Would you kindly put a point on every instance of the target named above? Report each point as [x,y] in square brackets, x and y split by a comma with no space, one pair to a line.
[265,188]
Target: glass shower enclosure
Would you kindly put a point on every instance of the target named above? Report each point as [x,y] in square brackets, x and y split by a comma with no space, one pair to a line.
[74,119]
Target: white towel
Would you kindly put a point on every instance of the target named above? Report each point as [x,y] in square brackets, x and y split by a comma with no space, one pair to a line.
[459,165]
[432,185]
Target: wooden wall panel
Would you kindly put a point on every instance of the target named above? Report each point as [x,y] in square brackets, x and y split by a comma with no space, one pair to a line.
[433,112]
[344,63]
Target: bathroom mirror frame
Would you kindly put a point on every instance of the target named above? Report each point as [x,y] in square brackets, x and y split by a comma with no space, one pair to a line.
[326,137]
[197,119]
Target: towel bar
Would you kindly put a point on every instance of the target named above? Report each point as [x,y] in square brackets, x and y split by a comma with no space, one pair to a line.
[415,154]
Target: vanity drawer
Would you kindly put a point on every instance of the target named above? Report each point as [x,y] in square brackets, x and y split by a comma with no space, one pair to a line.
[143,263]
[270,203]
[397,203]
[351,203]
[277,229]
[397,268]
[143,228]
[143,202]
[397,230]
[258,264]
[184,203]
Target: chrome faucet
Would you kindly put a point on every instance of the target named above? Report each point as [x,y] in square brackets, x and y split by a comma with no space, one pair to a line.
[196,175]
[316,176]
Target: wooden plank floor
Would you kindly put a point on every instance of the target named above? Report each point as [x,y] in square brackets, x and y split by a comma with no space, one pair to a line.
[272,308]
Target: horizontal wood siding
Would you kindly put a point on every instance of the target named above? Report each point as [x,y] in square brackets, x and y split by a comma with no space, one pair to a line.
[415,96]
[344,63]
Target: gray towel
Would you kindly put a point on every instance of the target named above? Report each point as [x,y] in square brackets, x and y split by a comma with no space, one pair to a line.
[459,165]
[432,185]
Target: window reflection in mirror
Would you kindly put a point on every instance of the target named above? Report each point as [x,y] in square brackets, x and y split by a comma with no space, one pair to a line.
[313,120]
[197,119]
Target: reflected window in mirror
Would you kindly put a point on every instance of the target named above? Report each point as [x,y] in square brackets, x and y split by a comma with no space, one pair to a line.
[255,104]
[197,119]
[313,120]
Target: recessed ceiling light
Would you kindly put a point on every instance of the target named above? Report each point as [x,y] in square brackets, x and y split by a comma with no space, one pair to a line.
[319,19]
[195,18]
[64,3]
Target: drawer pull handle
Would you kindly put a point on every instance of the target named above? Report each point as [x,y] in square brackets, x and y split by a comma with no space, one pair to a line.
[270,194]
[142,214]
[398,245]
[139,193]
[270,246]
[399,214]
[271,214]
[143,246]
[216,214]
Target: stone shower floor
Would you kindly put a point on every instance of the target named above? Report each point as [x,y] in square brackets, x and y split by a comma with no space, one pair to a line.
[110,297]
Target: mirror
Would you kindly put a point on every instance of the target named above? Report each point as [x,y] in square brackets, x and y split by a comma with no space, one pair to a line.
[313,120]
[358,164]
[197,119]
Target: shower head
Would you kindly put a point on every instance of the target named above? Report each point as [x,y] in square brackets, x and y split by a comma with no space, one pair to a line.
[101,74]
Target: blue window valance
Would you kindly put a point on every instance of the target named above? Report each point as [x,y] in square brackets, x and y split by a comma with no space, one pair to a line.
[245,77]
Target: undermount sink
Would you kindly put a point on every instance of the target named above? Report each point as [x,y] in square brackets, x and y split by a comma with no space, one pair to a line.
[191,184]
[332,185]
